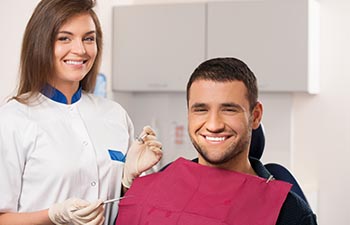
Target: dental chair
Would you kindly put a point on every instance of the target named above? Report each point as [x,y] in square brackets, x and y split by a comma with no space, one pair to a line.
[278,171]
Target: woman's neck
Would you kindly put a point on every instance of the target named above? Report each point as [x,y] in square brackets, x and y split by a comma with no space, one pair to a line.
[67,89]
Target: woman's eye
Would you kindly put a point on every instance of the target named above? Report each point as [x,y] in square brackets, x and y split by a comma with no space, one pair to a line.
[63,38]
[89,39]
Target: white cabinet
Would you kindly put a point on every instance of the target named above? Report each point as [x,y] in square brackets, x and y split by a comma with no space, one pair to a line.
[157,46]
[278,39]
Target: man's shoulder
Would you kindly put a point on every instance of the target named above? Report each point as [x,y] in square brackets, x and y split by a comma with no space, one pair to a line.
[295,211]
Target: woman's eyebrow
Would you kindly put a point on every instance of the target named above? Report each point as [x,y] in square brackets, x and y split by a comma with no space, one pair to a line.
[70,33]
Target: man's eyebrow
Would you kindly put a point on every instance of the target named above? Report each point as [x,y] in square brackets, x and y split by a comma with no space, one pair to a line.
[198,105]
[232,105]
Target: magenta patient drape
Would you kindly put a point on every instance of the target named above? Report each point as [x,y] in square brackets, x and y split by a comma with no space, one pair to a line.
[187,193]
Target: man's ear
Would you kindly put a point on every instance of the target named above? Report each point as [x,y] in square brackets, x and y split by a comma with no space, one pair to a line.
[257,115]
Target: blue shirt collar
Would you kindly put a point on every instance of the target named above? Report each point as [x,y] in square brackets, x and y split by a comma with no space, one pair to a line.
[58,96]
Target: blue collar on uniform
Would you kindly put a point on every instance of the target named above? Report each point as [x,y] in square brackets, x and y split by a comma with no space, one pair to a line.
[58,96]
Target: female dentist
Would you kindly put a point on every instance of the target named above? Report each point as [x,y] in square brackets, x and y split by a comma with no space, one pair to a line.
[62,149]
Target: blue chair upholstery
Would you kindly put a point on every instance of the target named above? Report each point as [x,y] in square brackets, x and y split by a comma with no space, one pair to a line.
[278,171]
[257,143]
[281,173]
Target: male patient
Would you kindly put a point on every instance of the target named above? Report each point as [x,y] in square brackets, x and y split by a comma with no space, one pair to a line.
[226,186]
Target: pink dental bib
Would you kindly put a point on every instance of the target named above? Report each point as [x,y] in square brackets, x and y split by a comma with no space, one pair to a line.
[187,193]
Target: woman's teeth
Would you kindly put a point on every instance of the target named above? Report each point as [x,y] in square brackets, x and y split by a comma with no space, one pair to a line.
[74,62]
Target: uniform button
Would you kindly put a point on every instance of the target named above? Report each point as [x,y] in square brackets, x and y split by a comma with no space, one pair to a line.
[85,143]
[93,183]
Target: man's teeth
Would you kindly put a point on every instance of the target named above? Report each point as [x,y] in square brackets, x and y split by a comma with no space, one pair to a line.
[74,62]
[215,138]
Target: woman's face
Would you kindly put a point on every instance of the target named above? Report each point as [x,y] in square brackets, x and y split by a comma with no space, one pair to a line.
[75,50]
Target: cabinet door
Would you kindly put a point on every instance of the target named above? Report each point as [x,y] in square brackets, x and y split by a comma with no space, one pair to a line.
[157,47]
[278,39]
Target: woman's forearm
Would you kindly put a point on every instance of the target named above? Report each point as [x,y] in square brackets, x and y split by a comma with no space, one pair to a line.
[31,218]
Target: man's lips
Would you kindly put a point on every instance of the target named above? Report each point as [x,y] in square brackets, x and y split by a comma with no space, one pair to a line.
[220,138]
[216,139]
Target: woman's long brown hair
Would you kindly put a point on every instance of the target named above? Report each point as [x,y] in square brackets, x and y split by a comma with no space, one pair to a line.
[36,62]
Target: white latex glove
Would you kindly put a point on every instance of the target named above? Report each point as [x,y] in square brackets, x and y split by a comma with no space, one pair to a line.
[76,211]
[142,155]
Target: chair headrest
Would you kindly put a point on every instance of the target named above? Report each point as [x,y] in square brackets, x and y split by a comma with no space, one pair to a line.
[257,143]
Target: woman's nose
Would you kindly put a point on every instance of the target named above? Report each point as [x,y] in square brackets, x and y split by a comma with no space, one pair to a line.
[78,48]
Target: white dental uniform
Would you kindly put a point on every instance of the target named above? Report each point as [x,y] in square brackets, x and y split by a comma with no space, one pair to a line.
[51,151]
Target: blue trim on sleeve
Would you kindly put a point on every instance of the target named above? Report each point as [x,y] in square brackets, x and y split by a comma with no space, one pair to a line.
[116,155]
[57,96]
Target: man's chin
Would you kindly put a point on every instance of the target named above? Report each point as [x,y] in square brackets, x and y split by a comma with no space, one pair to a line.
[213,159]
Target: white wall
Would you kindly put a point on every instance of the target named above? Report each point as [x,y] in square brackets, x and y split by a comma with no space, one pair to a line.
[320,123]
[13,16]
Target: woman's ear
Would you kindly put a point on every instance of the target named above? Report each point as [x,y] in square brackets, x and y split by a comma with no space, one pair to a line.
[257,115]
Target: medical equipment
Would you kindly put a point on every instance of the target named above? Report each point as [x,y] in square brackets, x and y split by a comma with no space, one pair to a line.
[141,139]
[141,156]
[113,200]
[103,203]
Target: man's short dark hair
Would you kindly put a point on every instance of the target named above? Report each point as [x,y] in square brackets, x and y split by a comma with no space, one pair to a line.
[226,70]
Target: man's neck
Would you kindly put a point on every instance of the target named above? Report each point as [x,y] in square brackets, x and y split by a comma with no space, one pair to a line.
[239,164]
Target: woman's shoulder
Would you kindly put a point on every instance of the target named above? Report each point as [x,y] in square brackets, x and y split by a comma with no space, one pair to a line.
[22,105]
[13,108]
[103,103]
[15,115]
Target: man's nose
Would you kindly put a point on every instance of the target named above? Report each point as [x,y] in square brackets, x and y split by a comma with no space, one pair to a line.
[215,123]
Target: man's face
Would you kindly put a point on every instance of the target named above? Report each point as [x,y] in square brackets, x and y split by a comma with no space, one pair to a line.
[220,122]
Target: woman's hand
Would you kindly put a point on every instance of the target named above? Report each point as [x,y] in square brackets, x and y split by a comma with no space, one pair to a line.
[143,154]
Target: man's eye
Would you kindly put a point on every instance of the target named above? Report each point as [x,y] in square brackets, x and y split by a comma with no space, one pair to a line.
[230,110]
[200,110]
